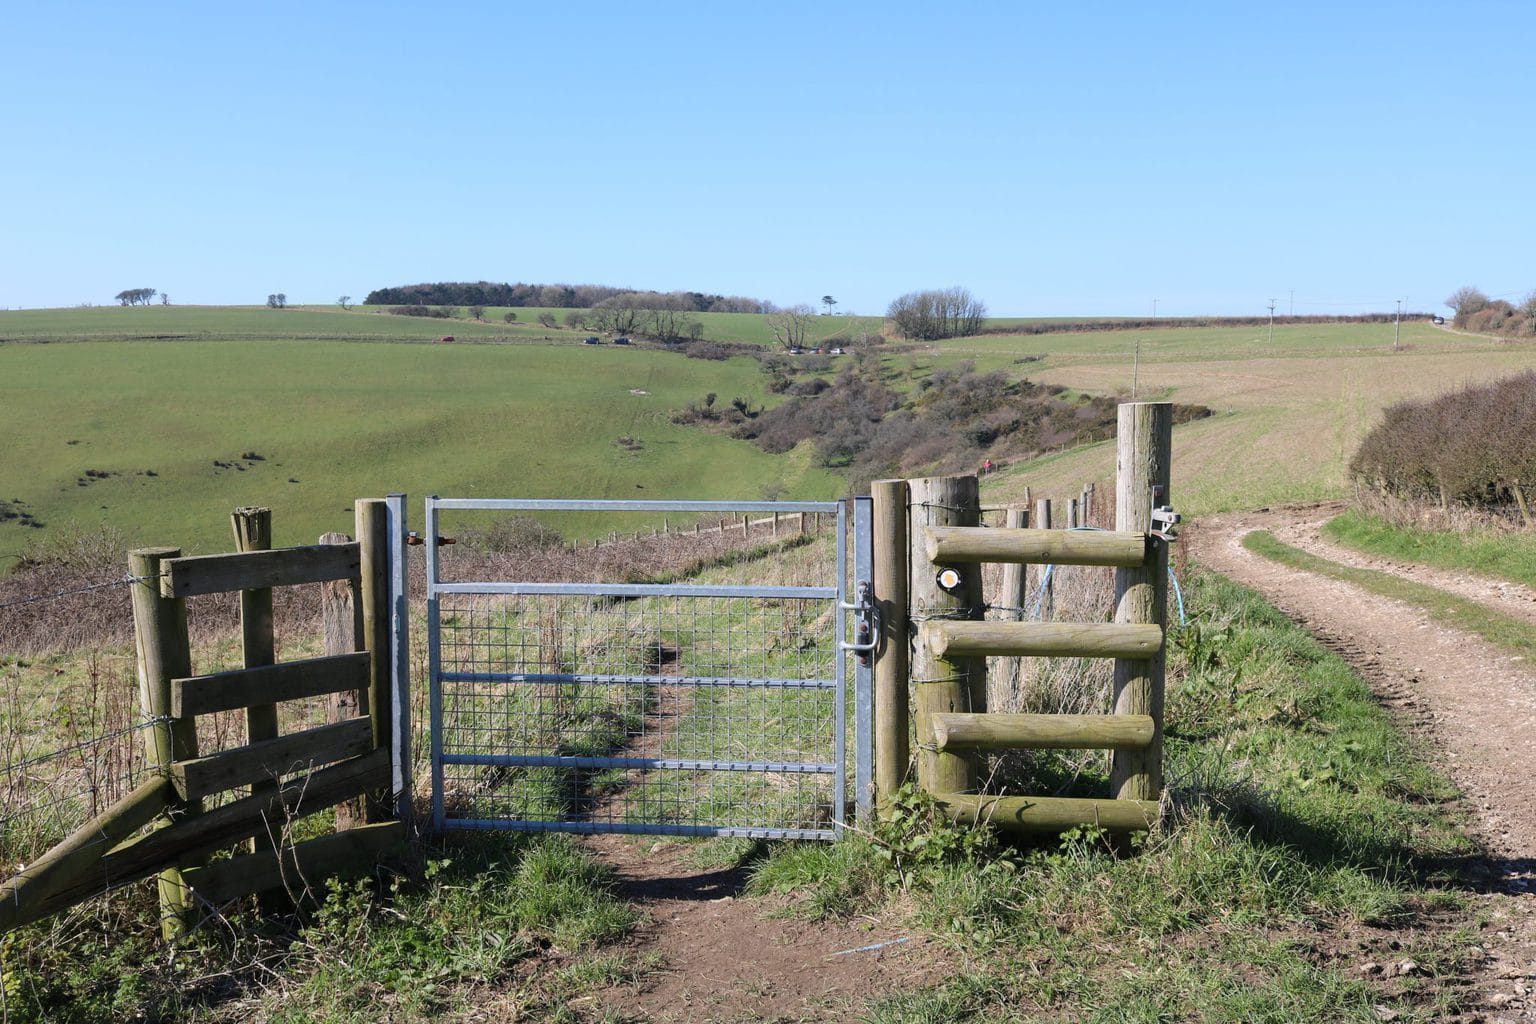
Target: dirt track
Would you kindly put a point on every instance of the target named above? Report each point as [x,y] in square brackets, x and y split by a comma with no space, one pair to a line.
[1473,705]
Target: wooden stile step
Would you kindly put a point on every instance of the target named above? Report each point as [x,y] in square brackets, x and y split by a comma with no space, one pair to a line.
[962,730]
[964,544]
[1049,813]
[958,638]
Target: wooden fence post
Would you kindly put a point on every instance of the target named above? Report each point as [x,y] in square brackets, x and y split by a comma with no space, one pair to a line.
[1141,595]
[893,756]
[253,532]
[944,684]
[1042,585]
[341,622]
[1012,595]
[372,525]
[164,653]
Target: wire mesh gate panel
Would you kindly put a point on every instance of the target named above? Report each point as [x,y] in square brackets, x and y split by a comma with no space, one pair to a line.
[563,701]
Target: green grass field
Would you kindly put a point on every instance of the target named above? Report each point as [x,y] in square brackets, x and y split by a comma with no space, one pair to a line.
[363,323]
[327,401]
[335,421]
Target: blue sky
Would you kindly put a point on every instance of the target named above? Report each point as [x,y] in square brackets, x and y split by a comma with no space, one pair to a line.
[1054,161]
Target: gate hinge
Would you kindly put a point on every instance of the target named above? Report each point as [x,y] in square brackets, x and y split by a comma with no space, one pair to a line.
[1164,519]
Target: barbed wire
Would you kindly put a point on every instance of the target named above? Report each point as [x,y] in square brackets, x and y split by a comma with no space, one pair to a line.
[94,741]
[125,581]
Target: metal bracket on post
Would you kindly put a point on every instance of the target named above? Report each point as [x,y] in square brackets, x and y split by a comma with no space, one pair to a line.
[1164,519]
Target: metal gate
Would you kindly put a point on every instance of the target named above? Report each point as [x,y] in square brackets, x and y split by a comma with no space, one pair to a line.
[562,700]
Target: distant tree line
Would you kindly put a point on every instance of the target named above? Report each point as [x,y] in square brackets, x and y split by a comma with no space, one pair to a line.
[1477,312]
[135,296]
[558,296]
[1475,446]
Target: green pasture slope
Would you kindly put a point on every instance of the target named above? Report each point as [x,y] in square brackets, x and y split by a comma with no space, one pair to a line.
[364,323]
[1289,413]
[128,433]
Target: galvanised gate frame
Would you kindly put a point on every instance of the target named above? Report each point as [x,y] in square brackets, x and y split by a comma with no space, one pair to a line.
[647,708]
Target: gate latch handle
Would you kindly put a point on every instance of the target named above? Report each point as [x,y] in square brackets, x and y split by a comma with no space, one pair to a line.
[864,627]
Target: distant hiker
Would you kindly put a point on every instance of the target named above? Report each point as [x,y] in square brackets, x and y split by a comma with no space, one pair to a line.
[986,467]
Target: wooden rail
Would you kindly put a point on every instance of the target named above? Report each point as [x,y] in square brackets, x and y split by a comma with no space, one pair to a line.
[1042,639]
[1043,547]
[1042,732]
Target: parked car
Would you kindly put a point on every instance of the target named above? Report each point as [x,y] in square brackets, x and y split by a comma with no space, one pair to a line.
[594,340]
[1438,319]
[621,341]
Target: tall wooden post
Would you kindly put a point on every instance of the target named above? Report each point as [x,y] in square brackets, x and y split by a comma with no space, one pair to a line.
[341,623]
[1141,595]
[164,653]
[944,684]
[253,532]
[893,756]
[372,524]
[1011,596]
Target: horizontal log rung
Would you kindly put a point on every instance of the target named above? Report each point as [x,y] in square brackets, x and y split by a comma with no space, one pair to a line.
[958,639]
[302,868]
[272,759]
[254,570]
[1049,813]
[268,684]
[968,544]
[956,730]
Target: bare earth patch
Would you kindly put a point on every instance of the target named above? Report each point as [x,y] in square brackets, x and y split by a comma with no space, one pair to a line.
[726,959]
[1472,705]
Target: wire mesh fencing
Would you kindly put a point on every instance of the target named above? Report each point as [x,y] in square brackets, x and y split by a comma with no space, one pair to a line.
[637,706]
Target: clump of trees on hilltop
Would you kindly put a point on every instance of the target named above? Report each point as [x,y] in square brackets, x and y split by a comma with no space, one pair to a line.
[1477,312]
[135,296]
[1474,447]
[936,314]
[558,296]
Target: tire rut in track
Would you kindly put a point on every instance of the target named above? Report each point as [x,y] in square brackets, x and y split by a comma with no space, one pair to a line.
[1472,705]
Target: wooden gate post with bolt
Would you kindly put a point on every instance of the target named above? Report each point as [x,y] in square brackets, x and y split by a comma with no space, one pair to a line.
[939,592]
[1141,594]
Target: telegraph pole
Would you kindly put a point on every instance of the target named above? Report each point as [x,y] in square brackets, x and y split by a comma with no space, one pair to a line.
[1271,321]
[1397,327]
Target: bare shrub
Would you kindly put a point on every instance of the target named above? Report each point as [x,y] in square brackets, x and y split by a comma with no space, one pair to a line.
[1473,448]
